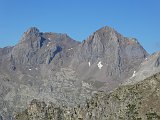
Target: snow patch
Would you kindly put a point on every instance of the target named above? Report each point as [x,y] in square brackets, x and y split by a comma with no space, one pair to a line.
[134,40]
[134,73]
[30,69]
[89,64]
[49,38]
[100,65]
[70,49]
[48,44]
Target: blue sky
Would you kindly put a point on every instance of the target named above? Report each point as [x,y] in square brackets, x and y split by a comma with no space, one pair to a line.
[80,18]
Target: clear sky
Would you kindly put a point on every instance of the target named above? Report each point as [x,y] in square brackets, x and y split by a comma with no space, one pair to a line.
[79,18]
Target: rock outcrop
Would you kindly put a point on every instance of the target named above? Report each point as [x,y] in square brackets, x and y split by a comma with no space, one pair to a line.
[132,102]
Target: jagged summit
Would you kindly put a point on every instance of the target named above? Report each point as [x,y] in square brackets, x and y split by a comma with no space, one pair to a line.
[33,30]
[33,34]
[37,47]
[106,35]
[30,34]
[106,29]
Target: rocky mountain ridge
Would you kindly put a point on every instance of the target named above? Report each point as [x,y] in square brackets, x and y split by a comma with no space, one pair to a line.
[52,67]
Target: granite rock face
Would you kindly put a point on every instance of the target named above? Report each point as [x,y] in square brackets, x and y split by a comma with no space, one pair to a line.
[52,67]
[140,101]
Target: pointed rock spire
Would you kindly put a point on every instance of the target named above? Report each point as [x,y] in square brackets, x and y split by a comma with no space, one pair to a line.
[32,30]
[30,33]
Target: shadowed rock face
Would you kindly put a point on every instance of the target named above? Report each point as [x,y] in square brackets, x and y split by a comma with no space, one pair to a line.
[54,67]
[157,63]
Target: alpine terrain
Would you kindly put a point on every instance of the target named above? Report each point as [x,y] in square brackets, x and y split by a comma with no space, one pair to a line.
[50,76]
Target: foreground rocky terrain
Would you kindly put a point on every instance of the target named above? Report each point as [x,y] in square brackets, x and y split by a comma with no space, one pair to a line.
[140,101]
[52,67]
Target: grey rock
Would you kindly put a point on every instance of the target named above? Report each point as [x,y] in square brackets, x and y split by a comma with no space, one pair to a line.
[147,68]
[54,67]
[118,55]
[140,101]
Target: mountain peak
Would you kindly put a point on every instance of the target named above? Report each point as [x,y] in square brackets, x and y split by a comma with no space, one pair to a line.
[32,30]
[106,29]
[54,67]
[103,36]
[30,33]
